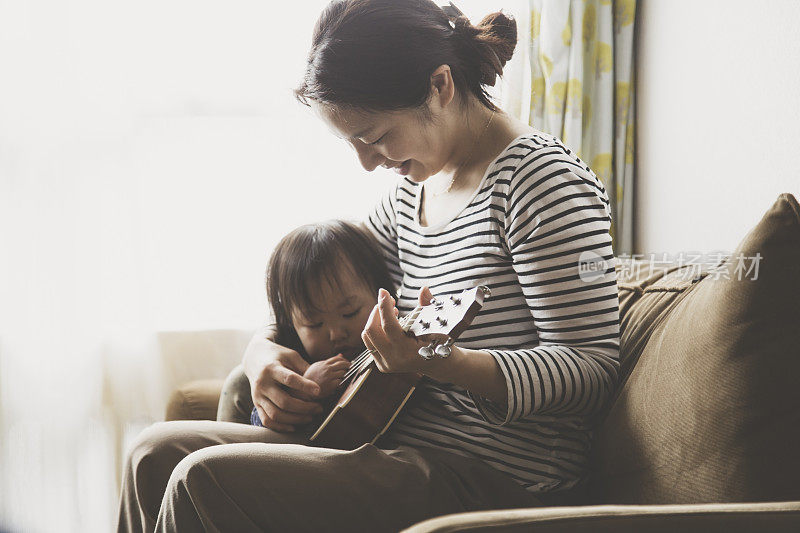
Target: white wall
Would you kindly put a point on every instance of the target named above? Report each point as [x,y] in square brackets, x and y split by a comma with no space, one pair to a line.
[718,119]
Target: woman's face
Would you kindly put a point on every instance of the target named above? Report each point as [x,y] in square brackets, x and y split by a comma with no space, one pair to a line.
[412,145]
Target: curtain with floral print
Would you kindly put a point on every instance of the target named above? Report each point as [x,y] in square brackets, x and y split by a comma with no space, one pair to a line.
[578,84]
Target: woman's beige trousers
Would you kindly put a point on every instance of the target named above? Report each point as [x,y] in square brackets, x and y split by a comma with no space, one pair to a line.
[189,476]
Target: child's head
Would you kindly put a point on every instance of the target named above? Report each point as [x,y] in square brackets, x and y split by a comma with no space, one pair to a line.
[322,283]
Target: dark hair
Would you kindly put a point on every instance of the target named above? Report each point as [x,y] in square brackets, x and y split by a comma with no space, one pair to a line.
[379,54]
[317,253]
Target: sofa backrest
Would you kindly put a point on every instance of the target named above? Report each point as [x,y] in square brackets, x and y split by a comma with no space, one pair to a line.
[710,410]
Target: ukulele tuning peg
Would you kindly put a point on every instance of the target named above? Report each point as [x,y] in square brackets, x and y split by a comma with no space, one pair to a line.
[443,350]
[425,325]
[455,300]
[441,321]
[426,352]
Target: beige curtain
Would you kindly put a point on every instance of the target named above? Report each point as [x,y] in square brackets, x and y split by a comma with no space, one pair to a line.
[577,83]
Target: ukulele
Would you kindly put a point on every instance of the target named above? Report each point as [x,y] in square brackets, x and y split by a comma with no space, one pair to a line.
[370,400]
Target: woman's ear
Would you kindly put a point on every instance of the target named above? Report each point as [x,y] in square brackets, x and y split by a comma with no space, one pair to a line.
[442,85]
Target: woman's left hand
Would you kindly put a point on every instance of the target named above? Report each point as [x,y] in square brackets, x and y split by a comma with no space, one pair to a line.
[392,348]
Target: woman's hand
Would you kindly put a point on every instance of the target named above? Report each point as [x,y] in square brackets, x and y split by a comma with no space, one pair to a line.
[393,349]
[281,395]
[328,373]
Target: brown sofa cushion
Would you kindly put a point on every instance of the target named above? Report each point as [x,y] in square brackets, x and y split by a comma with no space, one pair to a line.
[644,299]
[711,411]
[196,400]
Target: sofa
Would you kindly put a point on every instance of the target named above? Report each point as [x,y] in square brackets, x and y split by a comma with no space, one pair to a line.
[704,430]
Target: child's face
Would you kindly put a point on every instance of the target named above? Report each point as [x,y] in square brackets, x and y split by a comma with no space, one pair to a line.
[336,326]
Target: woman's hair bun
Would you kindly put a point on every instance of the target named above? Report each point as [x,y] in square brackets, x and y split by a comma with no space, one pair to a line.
[504,28]
[493,42]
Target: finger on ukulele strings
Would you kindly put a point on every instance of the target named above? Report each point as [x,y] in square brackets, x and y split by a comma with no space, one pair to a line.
[373,333]
[373,326]
[376,354]
[388,318]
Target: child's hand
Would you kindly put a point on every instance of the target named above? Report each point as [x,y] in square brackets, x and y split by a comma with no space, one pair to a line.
[327,373]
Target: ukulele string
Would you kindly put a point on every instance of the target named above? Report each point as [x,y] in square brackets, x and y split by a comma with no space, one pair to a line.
[363,360]
[356,364]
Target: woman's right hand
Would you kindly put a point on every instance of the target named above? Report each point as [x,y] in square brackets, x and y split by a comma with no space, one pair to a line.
[280,393]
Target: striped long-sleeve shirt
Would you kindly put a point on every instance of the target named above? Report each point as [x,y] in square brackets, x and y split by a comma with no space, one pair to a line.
[536,232]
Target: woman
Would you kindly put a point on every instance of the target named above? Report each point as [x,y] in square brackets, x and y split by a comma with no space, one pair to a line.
[504,421]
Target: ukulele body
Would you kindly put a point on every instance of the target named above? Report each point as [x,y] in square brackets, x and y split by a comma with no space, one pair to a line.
[370,399]
[367,407]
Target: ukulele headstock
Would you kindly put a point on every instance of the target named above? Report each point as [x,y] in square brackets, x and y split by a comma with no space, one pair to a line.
[450,315]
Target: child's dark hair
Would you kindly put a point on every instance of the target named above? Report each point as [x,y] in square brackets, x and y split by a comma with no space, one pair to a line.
[378,55]
[316,253]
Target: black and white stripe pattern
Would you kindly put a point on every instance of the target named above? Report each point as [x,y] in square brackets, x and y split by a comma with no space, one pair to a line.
[553,332]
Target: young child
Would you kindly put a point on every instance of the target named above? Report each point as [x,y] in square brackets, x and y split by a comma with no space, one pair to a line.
[322,283]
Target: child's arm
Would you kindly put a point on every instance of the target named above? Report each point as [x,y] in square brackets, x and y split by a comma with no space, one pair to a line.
[328,374]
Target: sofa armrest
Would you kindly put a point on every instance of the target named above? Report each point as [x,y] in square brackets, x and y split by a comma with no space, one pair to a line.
[729,517]
[196,400]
